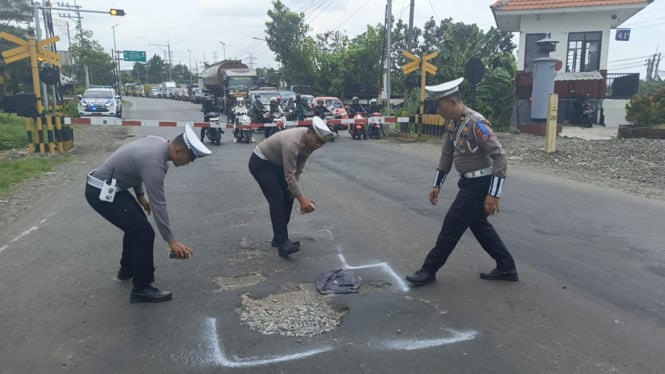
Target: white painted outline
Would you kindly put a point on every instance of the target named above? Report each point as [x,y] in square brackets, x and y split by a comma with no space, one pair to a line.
[383,265]
[412,344]
[217,357]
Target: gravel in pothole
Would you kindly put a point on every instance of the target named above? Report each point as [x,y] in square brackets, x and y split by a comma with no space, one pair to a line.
[302,312]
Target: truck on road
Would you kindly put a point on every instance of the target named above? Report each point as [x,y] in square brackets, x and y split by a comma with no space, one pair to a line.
[227,80]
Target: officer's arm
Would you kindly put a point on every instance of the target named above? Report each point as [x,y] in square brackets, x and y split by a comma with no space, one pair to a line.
[491,146]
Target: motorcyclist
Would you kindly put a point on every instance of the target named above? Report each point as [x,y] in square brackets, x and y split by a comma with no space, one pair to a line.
[275,112]
[240,107]
[208,106]
[257,110]
[321,110]
[356,107]
[373,106]
[302,109]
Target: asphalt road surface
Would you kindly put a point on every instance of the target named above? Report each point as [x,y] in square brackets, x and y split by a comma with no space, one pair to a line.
[590,298]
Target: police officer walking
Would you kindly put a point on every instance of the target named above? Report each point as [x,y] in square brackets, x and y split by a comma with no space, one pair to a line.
[478,156]
[141,166]
[276,164]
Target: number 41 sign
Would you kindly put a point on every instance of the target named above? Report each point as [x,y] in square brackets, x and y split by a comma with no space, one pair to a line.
[623,35]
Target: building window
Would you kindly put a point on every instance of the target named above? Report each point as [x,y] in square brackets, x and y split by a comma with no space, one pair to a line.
[531,50]
[583,51]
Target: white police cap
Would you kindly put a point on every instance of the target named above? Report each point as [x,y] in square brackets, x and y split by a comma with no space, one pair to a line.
[444,89]
[322,130]
[197,147]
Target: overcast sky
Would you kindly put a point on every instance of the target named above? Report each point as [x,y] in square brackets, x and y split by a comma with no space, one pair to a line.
[200,25]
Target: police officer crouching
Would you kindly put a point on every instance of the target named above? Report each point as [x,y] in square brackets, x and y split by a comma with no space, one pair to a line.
[478,156]
[276,164]
[141,166]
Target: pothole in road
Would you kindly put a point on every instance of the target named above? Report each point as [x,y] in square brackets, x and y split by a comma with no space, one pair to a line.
[302,312]
[231,283]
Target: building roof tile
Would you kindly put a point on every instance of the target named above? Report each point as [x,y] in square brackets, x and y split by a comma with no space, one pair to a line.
[521,5]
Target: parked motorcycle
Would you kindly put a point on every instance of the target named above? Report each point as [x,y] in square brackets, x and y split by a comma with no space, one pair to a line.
[586,111]
[357,129]
[215,131]
[241,130]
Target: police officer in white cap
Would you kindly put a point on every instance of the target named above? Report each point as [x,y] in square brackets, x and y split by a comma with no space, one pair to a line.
[276,164]
[471,145]
[141,166]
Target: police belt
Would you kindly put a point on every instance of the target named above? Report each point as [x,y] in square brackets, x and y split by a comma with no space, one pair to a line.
[98,183]
[478,173]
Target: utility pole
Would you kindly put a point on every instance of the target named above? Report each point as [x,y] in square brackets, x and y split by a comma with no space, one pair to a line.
[190,66]
[388,26]
[251,60]
[116,62]
[409,42]
[655,69]
[650,65]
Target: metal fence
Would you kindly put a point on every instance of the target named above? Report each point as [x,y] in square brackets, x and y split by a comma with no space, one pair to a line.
[622,85]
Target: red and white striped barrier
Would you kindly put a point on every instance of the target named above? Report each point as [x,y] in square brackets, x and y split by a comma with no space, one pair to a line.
[103,121]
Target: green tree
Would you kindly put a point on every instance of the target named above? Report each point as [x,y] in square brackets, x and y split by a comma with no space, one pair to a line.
[286,36]
[88,52]
[139,72]
[156,70]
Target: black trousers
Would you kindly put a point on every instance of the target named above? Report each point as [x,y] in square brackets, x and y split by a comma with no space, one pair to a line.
[467,211]
[137,243]
[273,184]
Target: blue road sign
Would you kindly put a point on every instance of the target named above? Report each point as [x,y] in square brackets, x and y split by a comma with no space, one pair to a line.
[623,35]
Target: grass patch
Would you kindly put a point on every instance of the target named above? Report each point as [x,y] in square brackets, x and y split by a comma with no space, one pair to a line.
[18,170]
[12,132]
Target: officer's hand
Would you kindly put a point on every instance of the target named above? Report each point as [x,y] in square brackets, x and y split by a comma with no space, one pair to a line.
[144,203]
[181,251]
[306,206]
[491,205]
[434,195]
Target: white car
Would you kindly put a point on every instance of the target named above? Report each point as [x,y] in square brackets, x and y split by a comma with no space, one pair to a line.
[100,102]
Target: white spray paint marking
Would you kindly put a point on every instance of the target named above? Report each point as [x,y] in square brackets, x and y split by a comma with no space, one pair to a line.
[42,221]
[330,234]
[412,344]
[384,266]
[217,356]
[3,248]
[24,233]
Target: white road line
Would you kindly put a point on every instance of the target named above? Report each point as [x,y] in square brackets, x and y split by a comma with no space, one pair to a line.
[218,357]
[401,284]
[24,233]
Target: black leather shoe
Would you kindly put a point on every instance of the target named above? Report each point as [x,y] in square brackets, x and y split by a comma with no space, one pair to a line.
[287,248]
[149,294]
[276,244]
[421,278]
[125,274]
[508,275]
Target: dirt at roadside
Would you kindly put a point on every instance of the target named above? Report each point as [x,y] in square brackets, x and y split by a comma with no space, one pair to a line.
[92,145]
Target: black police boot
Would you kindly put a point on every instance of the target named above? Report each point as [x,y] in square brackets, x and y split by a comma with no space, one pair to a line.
[421,278]
[149,294]
[504,275]
[125,273]
[276,244]
[288,247]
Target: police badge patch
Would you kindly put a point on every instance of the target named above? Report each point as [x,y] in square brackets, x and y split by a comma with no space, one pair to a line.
[483,132]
